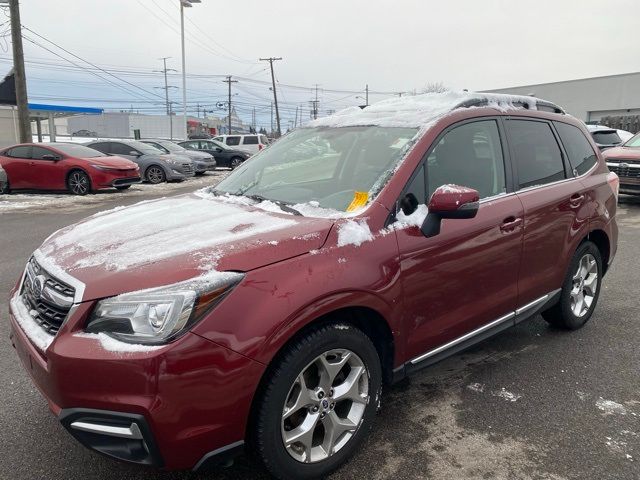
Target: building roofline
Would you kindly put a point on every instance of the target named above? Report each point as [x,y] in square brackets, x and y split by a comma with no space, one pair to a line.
[561,81]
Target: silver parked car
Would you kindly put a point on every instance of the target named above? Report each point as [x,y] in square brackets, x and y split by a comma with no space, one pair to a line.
[4,183]
[202,161]
[155,165]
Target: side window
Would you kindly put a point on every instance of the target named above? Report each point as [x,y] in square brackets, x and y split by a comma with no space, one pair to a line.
[418,187]
[233,141]
[38,152]
[581,155]
[121,148]
[470,156]
[20,152]
[250,140]
[101,147]
[537,154]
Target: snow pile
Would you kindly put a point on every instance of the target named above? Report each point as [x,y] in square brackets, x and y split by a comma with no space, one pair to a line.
[111,344]
[416,219]
[354,233]
[156,230]
[609,407]
[416,111]
[32,330]
[450,188]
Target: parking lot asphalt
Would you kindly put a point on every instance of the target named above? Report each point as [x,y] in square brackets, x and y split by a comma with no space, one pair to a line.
[531,403]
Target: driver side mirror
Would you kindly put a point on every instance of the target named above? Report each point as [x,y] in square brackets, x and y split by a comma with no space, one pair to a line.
[450,201]
[50,156]
[218,149]
[133,153]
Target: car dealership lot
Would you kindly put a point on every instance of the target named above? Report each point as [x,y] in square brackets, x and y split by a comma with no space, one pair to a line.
[531,403]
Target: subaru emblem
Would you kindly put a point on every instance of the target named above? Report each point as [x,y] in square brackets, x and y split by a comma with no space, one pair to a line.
[38,286]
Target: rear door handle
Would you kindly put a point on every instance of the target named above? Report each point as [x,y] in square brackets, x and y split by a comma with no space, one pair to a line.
[510,224]
[576,199]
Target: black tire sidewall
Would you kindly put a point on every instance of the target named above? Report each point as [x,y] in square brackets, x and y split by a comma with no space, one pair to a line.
[268,436]
[569,319]
[164,175]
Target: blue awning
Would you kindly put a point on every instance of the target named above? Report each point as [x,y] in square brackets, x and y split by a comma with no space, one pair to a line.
[41,107]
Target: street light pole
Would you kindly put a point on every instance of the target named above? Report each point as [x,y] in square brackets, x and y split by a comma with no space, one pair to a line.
[184,71]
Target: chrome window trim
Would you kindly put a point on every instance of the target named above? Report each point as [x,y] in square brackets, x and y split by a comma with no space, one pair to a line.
[61,275]
[477,331]
[496,197]
[132,431]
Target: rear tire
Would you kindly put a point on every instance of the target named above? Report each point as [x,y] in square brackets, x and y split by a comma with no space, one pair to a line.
[78,183]
[5,189]
[326,384]
[580,290]
[155,174]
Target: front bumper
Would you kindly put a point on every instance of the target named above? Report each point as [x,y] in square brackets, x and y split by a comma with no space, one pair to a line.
[178,171]
[188,399]
[205,166]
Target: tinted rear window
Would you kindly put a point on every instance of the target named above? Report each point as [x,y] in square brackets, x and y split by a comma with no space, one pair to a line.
[79,151]
[606,137]
[581,155]
[20,152]
[537,154]
[250,141]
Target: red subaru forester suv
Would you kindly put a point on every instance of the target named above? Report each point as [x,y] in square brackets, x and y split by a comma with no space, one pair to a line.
[266,313]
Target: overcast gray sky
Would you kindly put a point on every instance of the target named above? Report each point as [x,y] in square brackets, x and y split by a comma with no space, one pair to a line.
[340,45]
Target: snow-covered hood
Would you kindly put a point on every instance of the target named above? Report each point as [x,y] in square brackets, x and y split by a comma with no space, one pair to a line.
[164,241]
[175,158]
[196,155]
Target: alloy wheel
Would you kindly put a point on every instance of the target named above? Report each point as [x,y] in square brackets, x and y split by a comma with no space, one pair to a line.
[155,175]
[585,285]
[325,406]
[235,162]
[79,183]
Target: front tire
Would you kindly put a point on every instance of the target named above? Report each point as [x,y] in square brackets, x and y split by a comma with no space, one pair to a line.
[580,291]
[318,403]
[78,183]
[155,174]
[235,163]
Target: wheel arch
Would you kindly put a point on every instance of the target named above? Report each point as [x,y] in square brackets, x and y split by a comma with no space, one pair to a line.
[365,318]
[156,164]
[601,240]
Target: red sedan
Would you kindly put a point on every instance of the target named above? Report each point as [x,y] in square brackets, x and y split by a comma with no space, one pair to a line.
[65,166]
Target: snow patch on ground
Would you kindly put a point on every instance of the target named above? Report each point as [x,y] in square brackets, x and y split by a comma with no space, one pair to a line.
[610,407]
[354,233]
[506,395]
[476,387]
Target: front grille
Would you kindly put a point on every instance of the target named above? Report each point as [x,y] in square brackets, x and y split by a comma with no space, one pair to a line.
[187,168]
[47,298]
[624,171]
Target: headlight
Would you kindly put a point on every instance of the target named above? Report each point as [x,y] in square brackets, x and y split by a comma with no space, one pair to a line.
[158,315]
[105,169]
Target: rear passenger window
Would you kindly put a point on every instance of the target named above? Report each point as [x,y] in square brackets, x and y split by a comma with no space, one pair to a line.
[20,152]
[470,156]
[250,141]
[233,141]
[581,155]
[536,153]
[101,147]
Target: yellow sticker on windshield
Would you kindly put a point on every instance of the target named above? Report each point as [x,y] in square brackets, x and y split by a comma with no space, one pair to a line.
[359,200]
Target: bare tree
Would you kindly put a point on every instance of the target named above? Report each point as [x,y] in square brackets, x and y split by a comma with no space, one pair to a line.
[434,87]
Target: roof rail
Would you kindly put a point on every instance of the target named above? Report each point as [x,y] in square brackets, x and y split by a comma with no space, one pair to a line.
[545,104]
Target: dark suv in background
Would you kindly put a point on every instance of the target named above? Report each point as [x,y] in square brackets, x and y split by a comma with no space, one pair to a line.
[625,162]
[267,312]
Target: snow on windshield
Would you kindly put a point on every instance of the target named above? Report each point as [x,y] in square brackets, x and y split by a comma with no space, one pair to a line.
[156,230]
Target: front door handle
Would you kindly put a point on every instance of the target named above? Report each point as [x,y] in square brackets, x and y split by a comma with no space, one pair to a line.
[510,224]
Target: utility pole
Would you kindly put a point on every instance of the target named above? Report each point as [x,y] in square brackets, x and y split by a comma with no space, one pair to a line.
[275,95]
[253,119]
[271,132]
[367,94]
[295,122]
[229,82]
[166,85]
[24,124]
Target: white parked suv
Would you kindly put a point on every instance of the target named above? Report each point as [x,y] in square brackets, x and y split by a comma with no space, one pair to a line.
[252,143]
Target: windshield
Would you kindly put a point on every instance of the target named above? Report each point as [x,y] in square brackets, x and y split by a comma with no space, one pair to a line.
[219,145]
[145,148]
[336,168]
[79,151]
[172,147]
[633,141]
[606,137]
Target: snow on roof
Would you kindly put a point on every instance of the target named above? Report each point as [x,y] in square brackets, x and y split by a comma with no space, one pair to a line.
[422,110]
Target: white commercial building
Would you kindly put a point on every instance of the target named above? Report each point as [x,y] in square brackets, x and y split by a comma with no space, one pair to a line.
[592,99]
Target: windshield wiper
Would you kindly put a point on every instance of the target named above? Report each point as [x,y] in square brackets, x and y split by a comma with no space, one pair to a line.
[283,206]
